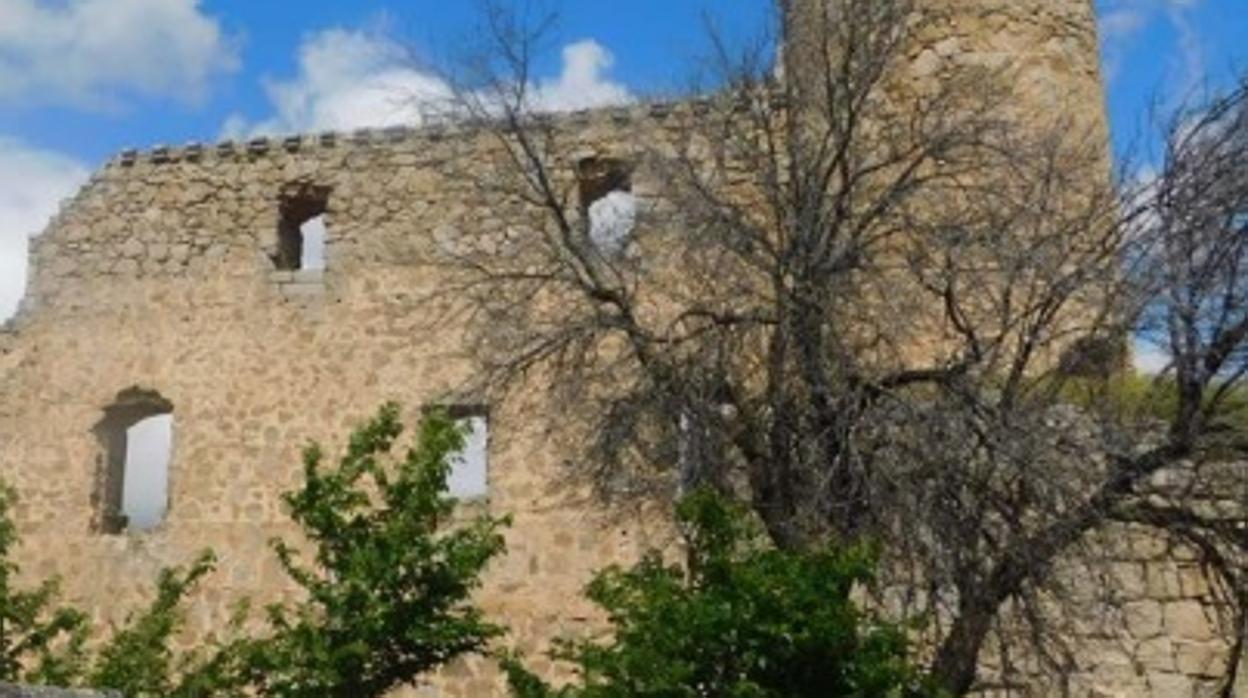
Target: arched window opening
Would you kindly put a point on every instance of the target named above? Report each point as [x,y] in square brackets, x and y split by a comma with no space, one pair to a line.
[136,438]
[606,191]
[301,229]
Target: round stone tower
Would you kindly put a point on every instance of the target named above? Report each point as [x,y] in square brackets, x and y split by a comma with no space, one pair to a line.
[1046,51]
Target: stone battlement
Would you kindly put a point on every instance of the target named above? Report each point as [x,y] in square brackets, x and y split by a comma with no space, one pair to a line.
[261,146]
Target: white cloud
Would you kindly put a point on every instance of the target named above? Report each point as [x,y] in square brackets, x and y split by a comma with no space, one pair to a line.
[353,79]
[1122,21]
[1191,50]
[32,184]
[347,79]
[583,83]
[90,52]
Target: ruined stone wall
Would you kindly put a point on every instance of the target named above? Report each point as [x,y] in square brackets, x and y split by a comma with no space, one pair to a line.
[159,275]
[1144,620]
[1032,63]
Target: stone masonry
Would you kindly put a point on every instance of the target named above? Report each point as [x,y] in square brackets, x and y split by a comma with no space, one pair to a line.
[160,279]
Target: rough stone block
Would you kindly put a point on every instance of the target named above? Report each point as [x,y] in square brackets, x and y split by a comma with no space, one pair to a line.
[1201,658]
[1187,620]
[294,291]
[1193,582]
[1144,619]
[308,276]
[1129,579]
[1171,685]
[1162,581]
[1156,654]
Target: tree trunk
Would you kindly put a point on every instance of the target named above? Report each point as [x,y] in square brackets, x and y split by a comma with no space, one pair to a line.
[957,661]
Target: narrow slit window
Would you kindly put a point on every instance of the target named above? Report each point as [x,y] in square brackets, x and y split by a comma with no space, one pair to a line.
[606,191]
[469,477]
[136,436]
[301,231]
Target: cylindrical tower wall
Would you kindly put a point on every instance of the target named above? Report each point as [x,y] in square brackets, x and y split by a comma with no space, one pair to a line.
[1046,51]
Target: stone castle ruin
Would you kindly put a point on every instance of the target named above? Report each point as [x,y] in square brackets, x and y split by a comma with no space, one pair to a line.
[242,299]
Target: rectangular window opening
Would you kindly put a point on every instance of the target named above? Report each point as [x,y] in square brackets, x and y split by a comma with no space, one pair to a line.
[312,254]
[145,488]
[606,191]
[301,231]
[470,468]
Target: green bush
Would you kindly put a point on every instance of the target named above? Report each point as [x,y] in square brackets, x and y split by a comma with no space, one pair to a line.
[39,642]
[740,620]
[139,660]
[388,583]
[386,591]
[45,644]
[1137,396]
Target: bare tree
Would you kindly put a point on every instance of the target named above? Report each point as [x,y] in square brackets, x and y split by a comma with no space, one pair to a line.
[878,311]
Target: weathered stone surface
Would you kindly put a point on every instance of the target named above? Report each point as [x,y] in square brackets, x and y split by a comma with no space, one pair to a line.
[1189,620]
[1176,685]
[1144,619]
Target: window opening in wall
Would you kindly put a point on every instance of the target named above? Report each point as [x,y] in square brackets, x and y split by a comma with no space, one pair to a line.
[312,257]
[301,229]
[606,191]
[469,478]
[136,436]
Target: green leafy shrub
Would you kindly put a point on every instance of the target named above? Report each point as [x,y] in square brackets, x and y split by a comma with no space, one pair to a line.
[139,660]
[386,592]
[741,620]
[43,644]
[39,642]
[1138,396]
[388,584]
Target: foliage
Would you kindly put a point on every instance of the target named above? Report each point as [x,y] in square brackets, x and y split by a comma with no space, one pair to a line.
[139,659]
[744,620]
[387,593]
[39,642]
[386,599]
[45,645]
[1131,395]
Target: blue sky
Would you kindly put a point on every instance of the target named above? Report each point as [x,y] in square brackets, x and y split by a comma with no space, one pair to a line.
[83,79]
